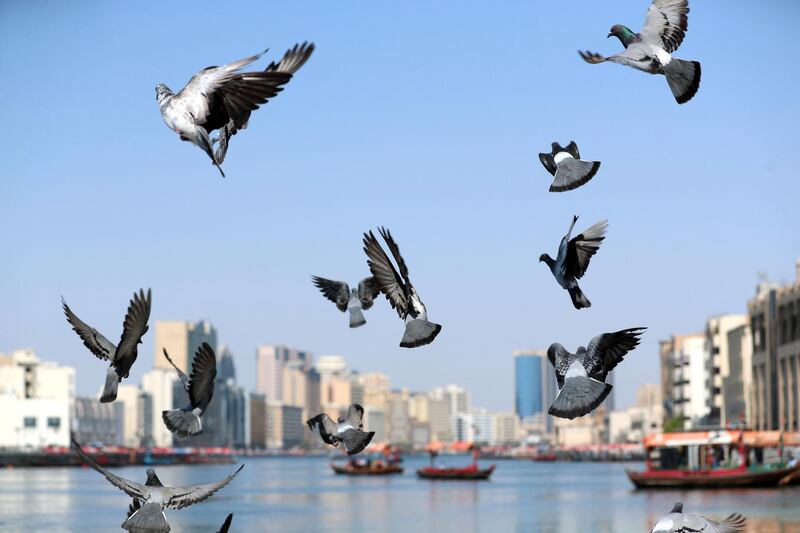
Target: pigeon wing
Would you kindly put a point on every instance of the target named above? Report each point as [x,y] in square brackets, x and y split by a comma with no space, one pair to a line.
[368,290]
[606,351]
[591,57]
[293,59]
[572,148]
[582,247]
[226,525]
[132,489]
[336,291]
[401,264]
[355,416]
[92,339]
[135,325]
[325,427]
[549,163]
[560,358]
[387,277]
[133,507]
[180,497]
[666,23]
[181,374]
[733,524]
[204,372]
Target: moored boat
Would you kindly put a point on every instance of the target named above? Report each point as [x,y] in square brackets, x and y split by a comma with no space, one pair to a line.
[374,468]
[471,472]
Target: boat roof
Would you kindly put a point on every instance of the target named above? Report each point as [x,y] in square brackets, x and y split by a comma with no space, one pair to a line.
[758,439]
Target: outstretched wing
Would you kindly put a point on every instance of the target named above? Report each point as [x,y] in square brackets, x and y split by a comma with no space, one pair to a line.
[180,497]
[336,291]
[401,264]
[607,350]
[389,280]
[666,23]
[135,325]
[591,57]
[92,339]
[181,374]
[582,247]
[204,372]
[326,428]
[368,289]
[132,489]
[226,525]
[572,148]
[548,162]
[355,416]
[560,358]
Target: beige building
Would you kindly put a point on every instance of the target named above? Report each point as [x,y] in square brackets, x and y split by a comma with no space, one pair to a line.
[506,429]
[270,362]
[686,386]
[181,339]
[645,417]
[718,362]
[127,409]
[375,387]
[439,419]
[737,386]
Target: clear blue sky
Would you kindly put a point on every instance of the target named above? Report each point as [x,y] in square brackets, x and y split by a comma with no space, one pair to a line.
[424,118]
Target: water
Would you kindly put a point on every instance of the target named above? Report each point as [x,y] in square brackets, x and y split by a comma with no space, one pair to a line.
[302,495]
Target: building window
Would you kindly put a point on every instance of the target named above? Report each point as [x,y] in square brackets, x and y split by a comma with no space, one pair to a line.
[29,422]
[53,422]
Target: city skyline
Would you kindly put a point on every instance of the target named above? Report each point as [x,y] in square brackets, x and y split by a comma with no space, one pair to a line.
[400,111]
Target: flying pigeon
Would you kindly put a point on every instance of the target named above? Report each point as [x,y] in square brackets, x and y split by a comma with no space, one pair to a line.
[350,300]
[200,387]
[573,259]
[227,524]
[153,497]
[678,522]
[651,50]
[222,98]
[136,505]
[565,164]
[581,377]
[122,356]
[399,291]
[347,431]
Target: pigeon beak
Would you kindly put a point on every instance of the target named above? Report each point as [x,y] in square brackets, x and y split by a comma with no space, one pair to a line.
[609,35]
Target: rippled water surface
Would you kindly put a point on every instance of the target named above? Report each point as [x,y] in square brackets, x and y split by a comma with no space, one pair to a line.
[302,495]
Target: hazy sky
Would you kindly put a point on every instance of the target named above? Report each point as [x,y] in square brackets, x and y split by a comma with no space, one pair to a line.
[423,117]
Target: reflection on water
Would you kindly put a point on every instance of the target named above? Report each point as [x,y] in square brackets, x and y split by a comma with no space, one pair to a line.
[302,495]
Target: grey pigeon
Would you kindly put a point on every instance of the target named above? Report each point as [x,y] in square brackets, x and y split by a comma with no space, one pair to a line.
[676,521]
[123,355]
[568,170]
[200,387]
[222,98]
[651,49]
[581,377]
[397,288]
[347,431]
[573,259]
[153,497]
[346,299]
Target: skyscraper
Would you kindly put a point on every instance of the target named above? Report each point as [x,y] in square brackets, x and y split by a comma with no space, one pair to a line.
[181,339]
[528,367]
[270,361]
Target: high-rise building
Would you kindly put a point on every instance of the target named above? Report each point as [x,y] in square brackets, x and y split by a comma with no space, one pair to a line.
[774,315]
[181,339]
[270,361]
[397,420]
[528,379]
[439,419]
[476,426]
[127,415]
[94,422]
[718,361]
[375,420]
[688,380]
[375,387]
[258,420]
[161,385]
[738,384]
[506,429]
[284,426]
[226,420]
[457,397]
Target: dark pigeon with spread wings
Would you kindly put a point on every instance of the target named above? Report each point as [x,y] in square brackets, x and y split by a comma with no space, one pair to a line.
[347,431]
[568,170]
[122,356]
[573,259]
[354,300]
[581,376]
[186,422]
[222,99]
[396,285]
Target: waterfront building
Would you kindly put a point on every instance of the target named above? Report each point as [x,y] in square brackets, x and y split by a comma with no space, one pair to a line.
[164,392]
[181,339]
[645,417]
[718,363]
[687,386]
[535,388]
[126,415]
[284,426]
[738,384]
[270,362]
[93,422]
[506,429]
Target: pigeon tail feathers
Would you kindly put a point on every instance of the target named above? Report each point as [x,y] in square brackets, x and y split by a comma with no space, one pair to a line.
[579,396]
[149,519]
[572,173]
[579,300]
[357,443]
[356,317]
[110,388]
[735,523]
[419,333]
[182,423]
[683,78]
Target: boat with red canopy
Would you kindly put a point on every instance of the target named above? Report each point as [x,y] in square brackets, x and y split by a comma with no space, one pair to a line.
[471,472]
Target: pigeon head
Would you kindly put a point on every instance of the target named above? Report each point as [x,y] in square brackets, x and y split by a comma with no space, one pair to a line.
[546,259]
[625,35]
[152,479]
[162,92]
[678,508]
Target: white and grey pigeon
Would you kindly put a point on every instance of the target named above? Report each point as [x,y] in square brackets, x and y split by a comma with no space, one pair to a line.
[573,259]
[676,521]
[568,170]
[397,288]
[136,505]
[122,356]
[200,387]
[346,299]
[651,49]
[347,431]
[153,497]
[581,376]
[222,98]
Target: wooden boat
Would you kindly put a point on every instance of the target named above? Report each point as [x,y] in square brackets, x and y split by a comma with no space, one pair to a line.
[706,479]
[471,472]
[375,468]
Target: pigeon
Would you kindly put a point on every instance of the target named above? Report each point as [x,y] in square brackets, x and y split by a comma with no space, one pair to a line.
[347,431]
[399,291]
[565,164]
[227,524]
[678,522]
[153,497]
[122,356]
[200,387]
[573,259]
[651,50]
[222,98]
[350,300]
[581,377]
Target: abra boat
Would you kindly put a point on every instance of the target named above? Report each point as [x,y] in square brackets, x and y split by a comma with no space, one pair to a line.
[717,459]
[471,472]
[371,468]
